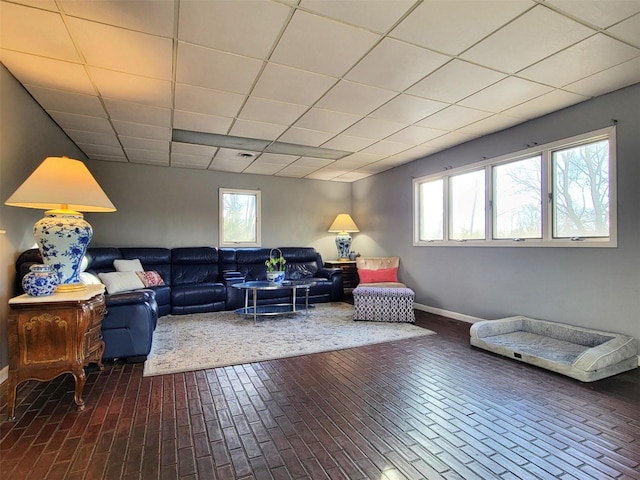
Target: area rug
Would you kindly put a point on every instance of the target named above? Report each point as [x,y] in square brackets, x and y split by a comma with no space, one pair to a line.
[208,340]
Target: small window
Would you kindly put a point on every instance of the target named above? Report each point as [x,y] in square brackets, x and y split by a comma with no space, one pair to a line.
[431,210]
[239,220]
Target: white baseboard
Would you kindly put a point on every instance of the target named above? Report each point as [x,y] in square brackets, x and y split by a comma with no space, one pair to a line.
[4,374]
[446,313]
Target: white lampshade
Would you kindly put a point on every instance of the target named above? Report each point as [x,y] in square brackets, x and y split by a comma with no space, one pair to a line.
[64,187]
[61,182]
[343,223]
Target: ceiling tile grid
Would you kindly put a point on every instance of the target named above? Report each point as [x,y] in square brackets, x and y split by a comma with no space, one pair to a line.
[342,89]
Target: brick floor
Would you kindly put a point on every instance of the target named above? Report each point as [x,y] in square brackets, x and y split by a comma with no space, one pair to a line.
[431,407]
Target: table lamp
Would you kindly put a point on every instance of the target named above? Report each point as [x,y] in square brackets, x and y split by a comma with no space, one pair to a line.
[64,187]
[342,225]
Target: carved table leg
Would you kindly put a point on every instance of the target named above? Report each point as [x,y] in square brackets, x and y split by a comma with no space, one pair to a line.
[80,378]
[11,395]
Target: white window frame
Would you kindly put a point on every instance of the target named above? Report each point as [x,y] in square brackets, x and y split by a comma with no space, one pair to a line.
[547,239]
[225,191]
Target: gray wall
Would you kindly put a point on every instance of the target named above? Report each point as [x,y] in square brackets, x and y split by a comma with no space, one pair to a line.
[27,137]
[171,207]
[590,287]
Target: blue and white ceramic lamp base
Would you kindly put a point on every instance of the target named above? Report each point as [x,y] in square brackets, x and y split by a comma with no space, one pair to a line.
[343,242]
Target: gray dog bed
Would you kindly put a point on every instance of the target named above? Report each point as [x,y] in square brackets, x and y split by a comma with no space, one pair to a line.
[580,353]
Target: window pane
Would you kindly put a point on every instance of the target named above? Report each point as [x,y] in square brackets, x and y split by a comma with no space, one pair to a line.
[239,218]
[581,191]
[517,199]
[431,210]
[467,202]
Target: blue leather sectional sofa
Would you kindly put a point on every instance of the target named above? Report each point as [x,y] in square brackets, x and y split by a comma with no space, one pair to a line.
[196,280]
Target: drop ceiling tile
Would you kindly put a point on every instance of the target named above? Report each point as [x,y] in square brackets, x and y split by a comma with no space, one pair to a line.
[111,151]
[505,94]
[229,160]
[326,174]
[629,30]
[129,129]
[452,27]
[550,102]
[396,65]
[269,111]
[71,121]
[386,148]
[47,73]
[455,81]
[295,171]
[453,117]
[201,123]
[131,88]
[348,143]
[248,128]
[285,84]
[304,136]
[314,163]
[41,4]
[581,60]
[245,28]
[94,138]
[317,44]
[137,113]
[60,101]
[357,98]
[358,159]
[131,52]
[263,168]
[353,176]
[210,68]
[378,16]
[490,125]
[150,17]
[275,159]
[449,140]
[535,35]
[407,109]
[148,157]
[208,101]
[144,144]
[326,120]
[415,135]
[374,128]
[598,12]
[614,78]
[35,31]
[189,161]
[193,150]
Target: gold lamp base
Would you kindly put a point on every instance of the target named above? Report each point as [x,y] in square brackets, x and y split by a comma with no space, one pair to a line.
[71,287]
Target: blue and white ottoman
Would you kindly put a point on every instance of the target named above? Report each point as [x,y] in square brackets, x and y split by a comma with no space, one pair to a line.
[381,304]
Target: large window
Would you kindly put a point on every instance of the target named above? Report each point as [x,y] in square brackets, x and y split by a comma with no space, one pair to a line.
[560,194]
[239,219]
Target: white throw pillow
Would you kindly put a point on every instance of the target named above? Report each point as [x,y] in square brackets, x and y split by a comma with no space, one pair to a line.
[128,265]
[120,281]
[89,278]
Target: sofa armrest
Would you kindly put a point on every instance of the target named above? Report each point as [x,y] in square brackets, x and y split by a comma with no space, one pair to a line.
[327,273]
[235,296]
[128,298]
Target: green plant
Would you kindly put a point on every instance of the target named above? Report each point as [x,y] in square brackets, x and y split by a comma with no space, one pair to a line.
[275,263]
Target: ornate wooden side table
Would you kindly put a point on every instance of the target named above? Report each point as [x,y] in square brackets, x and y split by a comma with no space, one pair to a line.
[349,272]
[52,335]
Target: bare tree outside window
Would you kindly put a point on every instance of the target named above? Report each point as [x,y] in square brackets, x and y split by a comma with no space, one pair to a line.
[581,190]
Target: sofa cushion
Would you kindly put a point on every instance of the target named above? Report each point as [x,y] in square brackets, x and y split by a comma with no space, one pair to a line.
[150,278]
[133,265]
[120,281]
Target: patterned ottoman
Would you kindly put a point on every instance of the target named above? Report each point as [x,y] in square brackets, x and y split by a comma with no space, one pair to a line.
[383,304]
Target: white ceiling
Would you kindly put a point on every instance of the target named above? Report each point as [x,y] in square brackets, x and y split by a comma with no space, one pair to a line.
[389,80]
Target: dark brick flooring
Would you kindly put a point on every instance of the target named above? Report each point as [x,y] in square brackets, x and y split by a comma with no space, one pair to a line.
[431,407]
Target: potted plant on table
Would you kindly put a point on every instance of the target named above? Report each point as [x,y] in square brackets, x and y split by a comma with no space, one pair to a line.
[275,266]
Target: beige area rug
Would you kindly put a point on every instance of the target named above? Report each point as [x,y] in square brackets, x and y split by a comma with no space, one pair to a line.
[207,340]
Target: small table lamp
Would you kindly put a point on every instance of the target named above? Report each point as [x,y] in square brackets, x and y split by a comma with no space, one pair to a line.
[342,225]
[66,187]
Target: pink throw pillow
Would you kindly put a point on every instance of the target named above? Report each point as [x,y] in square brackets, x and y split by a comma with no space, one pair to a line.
[150,278]
[375,276]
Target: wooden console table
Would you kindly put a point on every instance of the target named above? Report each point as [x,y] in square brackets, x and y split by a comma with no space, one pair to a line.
[52,335]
